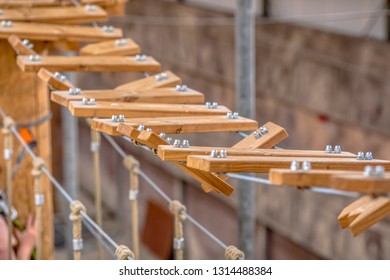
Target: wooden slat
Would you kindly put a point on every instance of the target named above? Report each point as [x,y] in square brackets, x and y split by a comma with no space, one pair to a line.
[371,214]
[88,63]
[28,3]
[275,135]
[264,164]
[52,32]
[48,78]
[19,47]
[360,183]
[111,48]
[176,125]
[63,15]
[169,153]
[138,110]
[152,82]
[161,95]
[345,217]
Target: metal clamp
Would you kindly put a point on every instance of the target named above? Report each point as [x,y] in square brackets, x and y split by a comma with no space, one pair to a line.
[78,245]
[178,244]
[95,146]
[7,154]
[133,195]
[39,199]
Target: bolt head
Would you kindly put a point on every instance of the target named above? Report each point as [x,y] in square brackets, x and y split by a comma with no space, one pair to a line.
[185,144]
[368,171]
[25,42]
[235,115]
[84,101]
[169,140]
[379,171]
[90,8]
[108,28]
[294,166]
[140,127]
[207,105]
[114,118]
[328,149]
[176,143]
[91,101]
[120,42]
[337,149]
[306,165]
[57,75]
[256,134]
[141,57]
[229,115]
[121,118]
[214,154]
[223,154]
[162,135]
[149,130]
[360,156]
[263,130]
[368,156]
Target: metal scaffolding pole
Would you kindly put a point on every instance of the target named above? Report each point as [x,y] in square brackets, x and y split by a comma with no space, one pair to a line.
[245,104]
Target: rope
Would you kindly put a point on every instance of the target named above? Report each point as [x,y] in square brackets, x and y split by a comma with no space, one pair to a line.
[8,152]
[95,149]
[124,253]
[178,210]
[232,253]
[39,202]
[132,165]
[76,217]
[33,123]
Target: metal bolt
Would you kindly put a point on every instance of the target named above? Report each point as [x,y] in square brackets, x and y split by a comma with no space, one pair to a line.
[294,165]
[176,143]
[120,42]
[337,149]
[121,118]
[214,154]
[263,130]
[235,115]
[162,135]
[27,44]
[149,130]
[214,105]
[91,101]
[114,118]
[140,127]
[229,115]
[1,12]
[328,149]
[223,154]
[74,91]
[368,171]
[181,88]
[84,101]
[185,143]
[90,8]
[360,156]
[169,140]
[207,105]
[34,57]
[6,23]
[306,165]
[108,28]
[368,156]
[256,134]
[379,171]
[141,57]
[57,75]
[161,76]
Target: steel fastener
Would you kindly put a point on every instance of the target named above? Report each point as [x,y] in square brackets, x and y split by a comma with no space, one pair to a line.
[360,156]
[120,42]
[141,57]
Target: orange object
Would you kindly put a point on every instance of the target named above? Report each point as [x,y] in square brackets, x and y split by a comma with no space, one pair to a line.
[26,135]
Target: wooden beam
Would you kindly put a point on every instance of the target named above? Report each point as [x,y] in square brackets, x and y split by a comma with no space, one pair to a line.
[275,134]
[264,164]
[164,79]
[60,15]
[160,95]
[52,32]
[361,183]
[55,82]
[88,63]
[176,125]
[349,213]
[138,110]
[119,47]
[19,47]
[28,3]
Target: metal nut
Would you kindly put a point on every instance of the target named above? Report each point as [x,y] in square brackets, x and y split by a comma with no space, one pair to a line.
[108,28]
[6,23]
[214,154]
[121,118]
[162,135]
[120,42]
[141,57]
[181,88]
[263,130]
[337,149]
[306,165]
[140,127]
[368,171]
[256,134]
[162,76]
[169,140]
[368,156]
[294,166]
[114,118]
[34,58]
[185,143]
[328,149]
[90,8]
[177,143]
[74,91]
[223,154]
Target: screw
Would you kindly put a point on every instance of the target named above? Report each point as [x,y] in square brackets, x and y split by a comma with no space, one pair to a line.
[34,57]
[120,42]
[263,130]
[169,140]
[223,154]
[337,149]
[162,135]
[256,134]
[294,165]
[214,154]
[140,127]
[114,118]
[121,118]
[360,156]
[306,165]
[90,8]
[108,28]
[185,144]
[379,171]
[328,149]
[368,171]
[141,57]
[181,88]
[176,143]
[368,156]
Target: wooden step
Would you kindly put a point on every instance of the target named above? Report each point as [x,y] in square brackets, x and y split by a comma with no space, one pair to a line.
[119,47]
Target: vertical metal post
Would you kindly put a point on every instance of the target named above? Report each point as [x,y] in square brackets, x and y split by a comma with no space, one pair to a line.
[245,104]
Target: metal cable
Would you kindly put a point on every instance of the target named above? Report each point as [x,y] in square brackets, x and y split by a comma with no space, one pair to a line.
[101,240]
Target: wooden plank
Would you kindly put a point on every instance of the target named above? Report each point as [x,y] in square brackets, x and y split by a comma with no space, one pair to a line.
[345,217]
[160,95]
[275,134]
[360,183]
[264,164]
[119,47]
[371,214]
[52,32]
[19,47]
[169,153]
[28,3]
[176,125]
[50,79]
[164,79]
[63,15]
[138,110]
[88,63]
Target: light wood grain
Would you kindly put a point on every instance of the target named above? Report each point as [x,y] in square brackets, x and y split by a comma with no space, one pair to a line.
[151,82]
[19,47]
[49,79]
[88,63]
[56,32]
[274,136]
[360,183]
[63,15]
[170,153]
[264,164]
[110,48]
[344,218]
[160,95]
[138,110]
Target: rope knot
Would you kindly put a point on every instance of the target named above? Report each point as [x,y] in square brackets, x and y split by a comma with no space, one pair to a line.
[178,210]
[8,122]
[38,163]
[76,207]
[131,163]
[232,253]
[123,253]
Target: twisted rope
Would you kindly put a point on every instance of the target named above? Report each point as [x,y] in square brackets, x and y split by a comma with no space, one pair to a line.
[178,210]
[232,253]
[124,253]
[38,163]
[76,217]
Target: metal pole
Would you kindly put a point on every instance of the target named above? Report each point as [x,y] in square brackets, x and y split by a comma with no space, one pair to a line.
[245,104]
